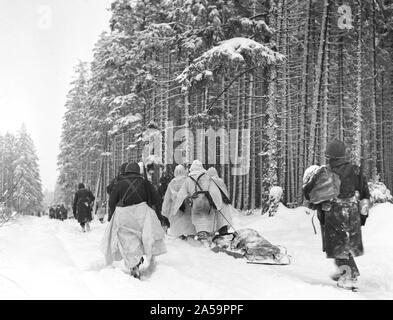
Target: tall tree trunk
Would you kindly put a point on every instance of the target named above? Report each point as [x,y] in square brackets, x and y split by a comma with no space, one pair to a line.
[325,105]
[357,152]
[271,112]
[382,131]
[304,97]
[252,129]
[317,86]
[240,191]
[340,135]
[373,129]
[236,147]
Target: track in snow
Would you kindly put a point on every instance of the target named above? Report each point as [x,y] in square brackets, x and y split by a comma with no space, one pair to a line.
[47,259]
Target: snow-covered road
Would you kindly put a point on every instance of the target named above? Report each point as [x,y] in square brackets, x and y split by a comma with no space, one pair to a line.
[46,259]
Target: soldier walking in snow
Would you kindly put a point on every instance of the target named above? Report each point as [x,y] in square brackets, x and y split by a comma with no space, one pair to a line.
[81,209]
[52,213]
[63,212]
[340,193]
[57,212]
[134,229]
[202,194]
[179,222]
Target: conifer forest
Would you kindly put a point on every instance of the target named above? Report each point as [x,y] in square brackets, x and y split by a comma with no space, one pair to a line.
[284,77]
[20,181]
[202,150]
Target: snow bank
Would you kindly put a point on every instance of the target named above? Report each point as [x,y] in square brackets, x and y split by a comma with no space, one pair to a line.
[379,229]
[50,259]
[377,264]
[276,193]
[379,192]
[293,229]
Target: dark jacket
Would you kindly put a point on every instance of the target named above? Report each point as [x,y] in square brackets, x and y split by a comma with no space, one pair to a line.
[142,191]
[162,189]
[57,213]
[164,182]
[351,179]
[81,208]
[64,212]
[110,187]
[340,219]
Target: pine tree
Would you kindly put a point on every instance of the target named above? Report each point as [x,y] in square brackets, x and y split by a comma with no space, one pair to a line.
[74,140]
[182,61]
[28,196]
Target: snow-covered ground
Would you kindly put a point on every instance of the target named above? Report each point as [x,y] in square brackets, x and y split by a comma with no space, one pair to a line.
[47,259]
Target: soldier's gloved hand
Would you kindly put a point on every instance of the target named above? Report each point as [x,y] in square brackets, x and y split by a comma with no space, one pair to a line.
[364,208]
[165,222]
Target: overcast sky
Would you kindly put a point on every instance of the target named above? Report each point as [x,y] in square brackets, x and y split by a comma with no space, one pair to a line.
[41,42]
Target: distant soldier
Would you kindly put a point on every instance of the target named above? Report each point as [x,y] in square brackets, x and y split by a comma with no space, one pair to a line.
[164,181]
[150,172]
[63,212]
[52,212]
[57,212]
[340,193]
[81,209]
[179,222]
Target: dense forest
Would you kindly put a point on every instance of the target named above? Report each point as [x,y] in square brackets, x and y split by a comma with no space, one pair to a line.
[286,76]
[20,182]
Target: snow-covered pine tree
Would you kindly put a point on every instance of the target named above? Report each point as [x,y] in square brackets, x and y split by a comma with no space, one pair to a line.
[154,43]
[9,156]
[75,134]
[357,106]
[28,194]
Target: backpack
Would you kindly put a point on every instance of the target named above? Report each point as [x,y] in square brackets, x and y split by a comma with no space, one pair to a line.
[325,186]
[202,192]
[349,175]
